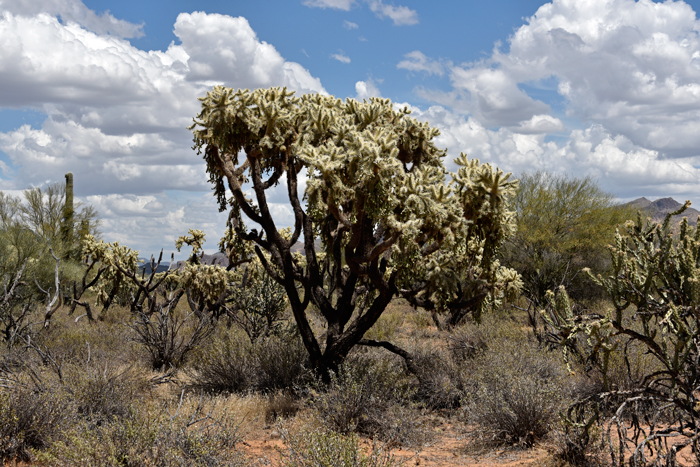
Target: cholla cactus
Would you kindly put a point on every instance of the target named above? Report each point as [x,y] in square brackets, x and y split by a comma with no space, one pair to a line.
[380,216]
[656,310]
[195,239]
[114,259]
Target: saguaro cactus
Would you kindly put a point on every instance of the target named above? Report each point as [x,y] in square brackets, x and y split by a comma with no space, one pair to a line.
[67,221]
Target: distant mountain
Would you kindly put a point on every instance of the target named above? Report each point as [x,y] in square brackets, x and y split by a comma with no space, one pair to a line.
[162,267]
[298,247]
[218,259]
[658,209]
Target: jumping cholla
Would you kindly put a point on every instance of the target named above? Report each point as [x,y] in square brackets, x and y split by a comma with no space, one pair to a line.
[650,336]
[376,211]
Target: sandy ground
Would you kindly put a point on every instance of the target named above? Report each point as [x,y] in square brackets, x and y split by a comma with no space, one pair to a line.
[264,447]
[448,449]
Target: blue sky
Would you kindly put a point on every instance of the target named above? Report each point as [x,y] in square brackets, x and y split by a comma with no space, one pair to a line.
[105,89]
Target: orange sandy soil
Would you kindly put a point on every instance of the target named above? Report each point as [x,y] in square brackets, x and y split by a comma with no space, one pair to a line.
[448,449]
[264,447]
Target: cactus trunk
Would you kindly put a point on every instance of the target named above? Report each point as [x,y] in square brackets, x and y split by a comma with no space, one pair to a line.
[67,224]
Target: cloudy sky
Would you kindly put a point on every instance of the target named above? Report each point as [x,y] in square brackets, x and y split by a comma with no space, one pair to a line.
[105,89]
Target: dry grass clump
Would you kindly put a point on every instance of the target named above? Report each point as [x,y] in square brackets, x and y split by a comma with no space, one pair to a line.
[74,394]
[370,395]
[190,432]
[91,415]
[321,447]
[31,420]
[169,335]
[280,406]
[232,364]
[441,381]
[518,391]
[39,404]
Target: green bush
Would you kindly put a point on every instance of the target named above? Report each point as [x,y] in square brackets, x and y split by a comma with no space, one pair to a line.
[329,449]
[152,437]
[563,224]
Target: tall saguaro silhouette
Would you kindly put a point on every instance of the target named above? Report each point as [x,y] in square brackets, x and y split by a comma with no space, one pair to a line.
[67,223]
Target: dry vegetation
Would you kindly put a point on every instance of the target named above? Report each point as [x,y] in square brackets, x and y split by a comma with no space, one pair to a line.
[86,393]
[394,343]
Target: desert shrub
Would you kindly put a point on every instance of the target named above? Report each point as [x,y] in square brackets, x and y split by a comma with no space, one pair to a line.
[386,326]
[233,364]
[281,363]
[444,373]
[518,390]
[467,342]
[260,303]
[189,434]
[77,342]
[322,448]
[101,392]
[419,318]
[168,336]
[31,419]
[368,395]
[281,405]
[440,378]
[43,396]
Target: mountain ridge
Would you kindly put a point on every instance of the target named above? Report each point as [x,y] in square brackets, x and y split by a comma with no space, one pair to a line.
[659,208]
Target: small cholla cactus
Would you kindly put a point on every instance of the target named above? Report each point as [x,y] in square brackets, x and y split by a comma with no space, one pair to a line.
[195,239]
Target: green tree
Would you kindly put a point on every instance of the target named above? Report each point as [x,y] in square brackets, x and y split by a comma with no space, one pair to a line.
[564,224]
[33,231]
[46,212]
[376,211]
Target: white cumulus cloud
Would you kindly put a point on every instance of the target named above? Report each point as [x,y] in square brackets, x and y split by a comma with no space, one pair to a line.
[226,49]
[366,89]
[631,66]
[336,4]
[117,115]
[341,57]
[540,124]
[621,167]
[417,61]
[74,11]
[400,15]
